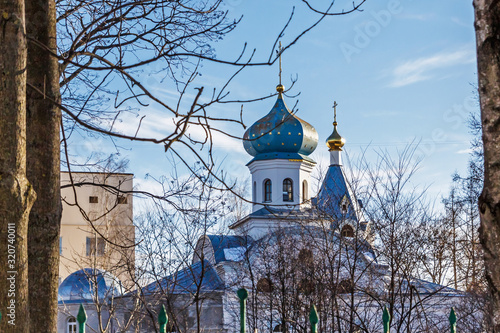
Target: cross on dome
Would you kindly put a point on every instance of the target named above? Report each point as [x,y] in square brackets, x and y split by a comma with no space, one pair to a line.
[335,141]
[334,111]
[280,88]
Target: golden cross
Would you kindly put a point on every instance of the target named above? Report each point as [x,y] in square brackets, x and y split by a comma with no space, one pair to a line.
[280,49]
[335,111]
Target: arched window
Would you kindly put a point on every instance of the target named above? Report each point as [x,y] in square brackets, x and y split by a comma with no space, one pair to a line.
[305,194]
[71,326]
[267,190]
[347,231]
[344,205]
[287,190]
[265,285]
[344,208]
[254,192]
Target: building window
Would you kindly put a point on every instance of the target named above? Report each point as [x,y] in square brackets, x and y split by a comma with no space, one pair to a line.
[122,200]
[287,190]
[71,326]
[265,285]
[267,190]
[344,208]
[93,199]
[60,245]
[254,192]
[96,245]
[305,194]
[347,231]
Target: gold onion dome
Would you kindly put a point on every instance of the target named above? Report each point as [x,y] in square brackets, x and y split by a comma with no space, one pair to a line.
[335,141]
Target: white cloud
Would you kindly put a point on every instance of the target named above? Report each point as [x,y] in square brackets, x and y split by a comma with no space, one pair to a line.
[465,151]
[425,68]
[159,125]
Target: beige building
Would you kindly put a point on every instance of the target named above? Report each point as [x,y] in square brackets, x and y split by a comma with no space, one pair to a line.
[97,228]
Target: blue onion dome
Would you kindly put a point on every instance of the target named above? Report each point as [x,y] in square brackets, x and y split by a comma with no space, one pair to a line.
[89,285]
[280,134]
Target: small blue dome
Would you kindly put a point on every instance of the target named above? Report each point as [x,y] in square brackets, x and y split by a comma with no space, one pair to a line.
[83,285]
[280,134]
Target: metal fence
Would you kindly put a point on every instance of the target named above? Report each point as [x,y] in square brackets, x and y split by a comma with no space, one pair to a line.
[81,318]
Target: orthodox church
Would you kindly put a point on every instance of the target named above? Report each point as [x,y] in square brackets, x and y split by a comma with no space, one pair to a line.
[294,249]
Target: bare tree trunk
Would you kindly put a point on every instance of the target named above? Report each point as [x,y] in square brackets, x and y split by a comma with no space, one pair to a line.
[16,194]
[43,162]
[487,24]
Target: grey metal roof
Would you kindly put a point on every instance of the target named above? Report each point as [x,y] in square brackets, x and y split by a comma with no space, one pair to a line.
[430,288]
[319,233]
[198,276]
[278,212]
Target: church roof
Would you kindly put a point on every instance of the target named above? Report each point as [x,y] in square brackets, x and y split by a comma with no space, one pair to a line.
[271,212]
[223,244]
[280,134]
[310,233]
[200,276]
[82,286]
[278,212]
[335,192]
[430,288]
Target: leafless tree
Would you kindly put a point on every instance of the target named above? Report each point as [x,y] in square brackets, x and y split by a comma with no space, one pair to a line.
[172,267]
[351,275]
[99,43]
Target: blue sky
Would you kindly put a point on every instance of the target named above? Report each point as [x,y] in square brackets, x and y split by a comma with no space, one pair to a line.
[401,72]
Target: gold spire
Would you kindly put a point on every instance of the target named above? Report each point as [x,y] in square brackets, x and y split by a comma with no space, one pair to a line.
[280,88]
[335,141]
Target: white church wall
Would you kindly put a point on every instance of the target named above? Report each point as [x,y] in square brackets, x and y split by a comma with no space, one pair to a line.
[277,171]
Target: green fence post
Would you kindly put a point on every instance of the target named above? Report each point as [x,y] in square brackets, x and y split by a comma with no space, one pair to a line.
[162,319]
[243,295]
[453,321]
[313,319]
[82,319]
[386,317]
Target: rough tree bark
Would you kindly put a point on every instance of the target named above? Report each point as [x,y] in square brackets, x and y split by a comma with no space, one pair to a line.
[487,24]
[43,162]
[16,194]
